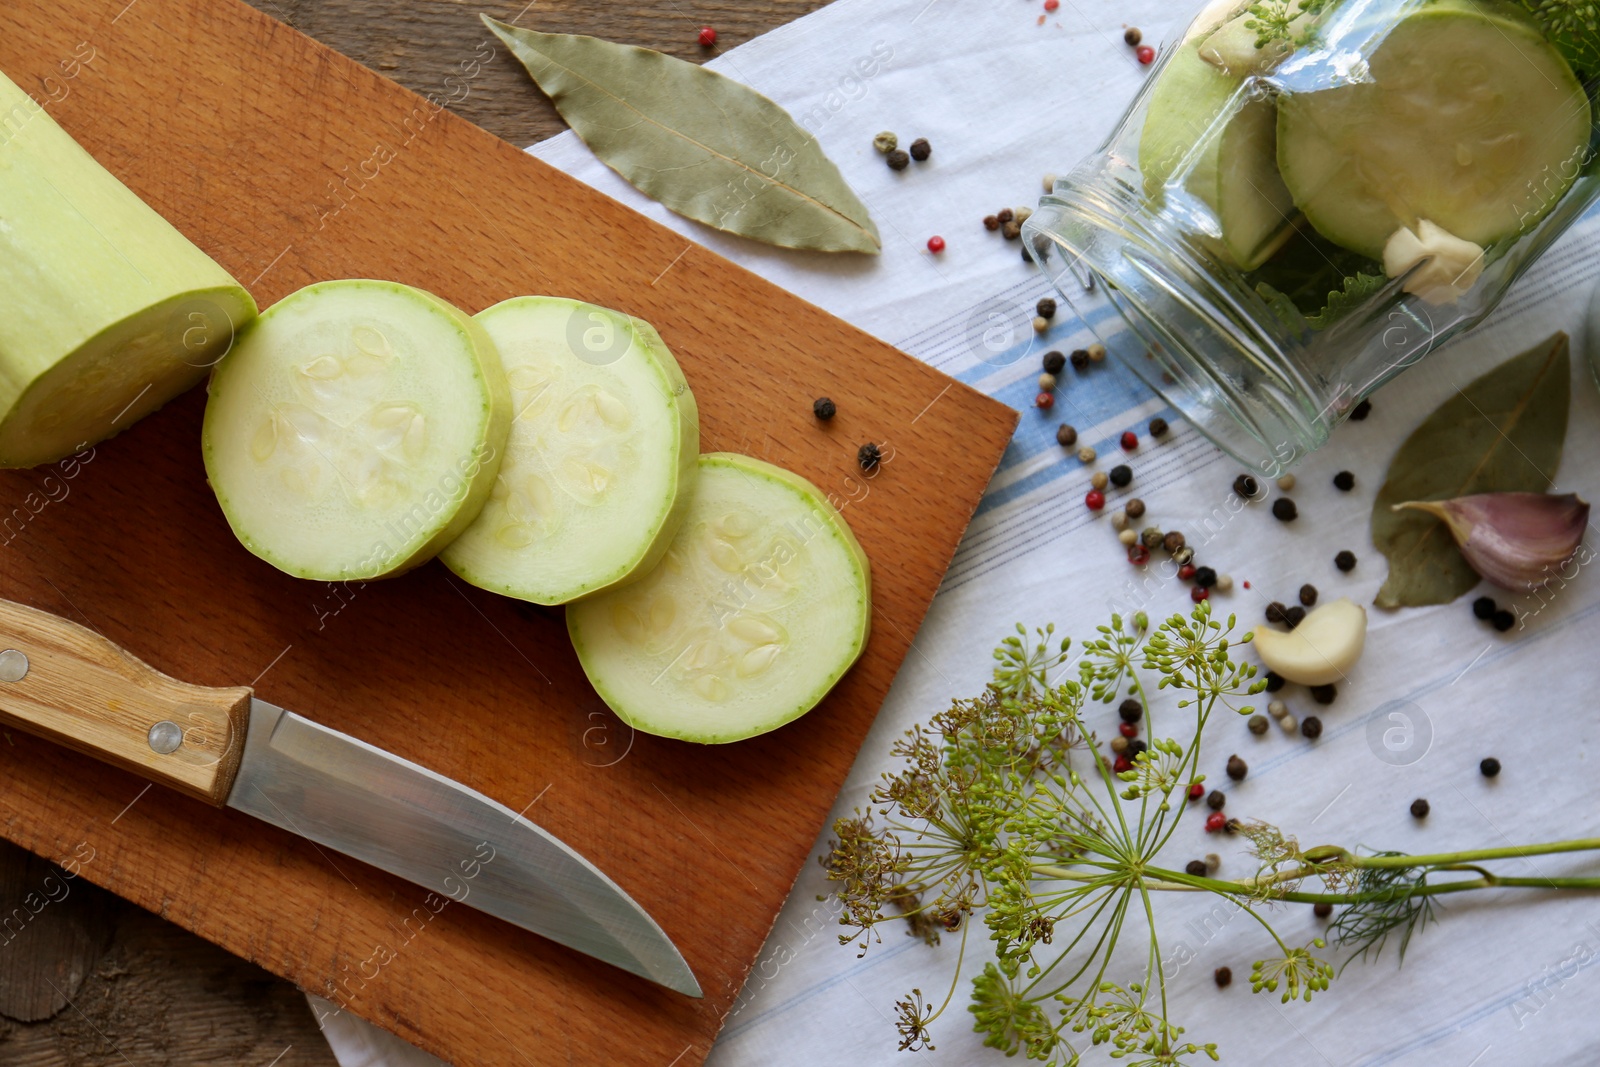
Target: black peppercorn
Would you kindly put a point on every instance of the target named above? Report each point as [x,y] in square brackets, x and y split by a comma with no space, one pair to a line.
[1485,607]
[921,149]
[1283,510]
[1066,436]
[1311,727]
[1216,800]
[1041,248]
[897,160]
[868,456]
[1308,594]
[823,408]
[1344,481]
[1246,486]
[1005,215]
[1275,612]
[1158,426]
[991,223]
[1080,358]
[1325,694]
[1361,411]
[1503,620]
[1345,560]
[1489,767]
[1322,910]
[1172,541]
[1011,231]
[1205,577]
[1419,808]
[1237,768]
[1121,475]
[1222,976]
[1131,710]
[1294,615]
[1275,681]
[1135,747]
[1196,868]
[1134,508]
[1131,36]
[1054,362]
[1045,308]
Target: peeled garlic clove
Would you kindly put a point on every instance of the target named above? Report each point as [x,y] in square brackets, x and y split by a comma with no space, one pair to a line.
[1518,541]
[1446,266]
[1319,651]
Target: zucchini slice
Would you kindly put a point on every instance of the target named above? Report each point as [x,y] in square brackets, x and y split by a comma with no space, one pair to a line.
[355,429]
[1203,128]
[106,311]
[600,459]
[759,606]
[1466,117]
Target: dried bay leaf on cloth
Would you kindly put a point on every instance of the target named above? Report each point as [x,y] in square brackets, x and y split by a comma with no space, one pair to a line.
[702,144]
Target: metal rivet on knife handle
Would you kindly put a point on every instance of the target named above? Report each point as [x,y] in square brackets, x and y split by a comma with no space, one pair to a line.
[13,666]
[87,693]
[165,737]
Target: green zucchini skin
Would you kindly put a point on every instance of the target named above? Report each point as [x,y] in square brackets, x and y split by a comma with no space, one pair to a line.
[106,310]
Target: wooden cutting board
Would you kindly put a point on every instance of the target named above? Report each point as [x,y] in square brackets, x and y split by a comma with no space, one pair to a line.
[291,164]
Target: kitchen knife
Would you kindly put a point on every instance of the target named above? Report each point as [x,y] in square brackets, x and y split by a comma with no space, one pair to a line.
[71,686]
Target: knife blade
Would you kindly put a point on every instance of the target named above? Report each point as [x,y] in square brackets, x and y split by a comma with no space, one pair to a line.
[67,684]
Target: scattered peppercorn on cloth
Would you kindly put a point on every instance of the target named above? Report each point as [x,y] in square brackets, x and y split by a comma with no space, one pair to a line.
[1006,93]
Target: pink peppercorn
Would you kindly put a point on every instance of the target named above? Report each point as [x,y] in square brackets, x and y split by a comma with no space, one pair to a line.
[1130,440]
[1128,729]
[1186,571]
[1051,5]
[1196,791]
[1044,401]
[1215,822]
[1146,54]
[1199,593]
[936,243]
[1122,764]
[1138,555]
[708,36]
[1095,499]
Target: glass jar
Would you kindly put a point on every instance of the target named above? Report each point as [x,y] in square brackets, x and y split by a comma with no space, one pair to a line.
[1307,196]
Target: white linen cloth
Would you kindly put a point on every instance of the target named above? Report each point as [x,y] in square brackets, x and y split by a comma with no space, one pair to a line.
[1005,97]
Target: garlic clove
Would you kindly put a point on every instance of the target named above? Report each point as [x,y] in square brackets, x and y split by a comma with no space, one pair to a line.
[1518,541]
[1322,649]
[1442,266]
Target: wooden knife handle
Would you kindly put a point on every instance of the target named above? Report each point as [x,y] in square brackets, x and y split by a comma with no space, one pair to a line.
[69,685]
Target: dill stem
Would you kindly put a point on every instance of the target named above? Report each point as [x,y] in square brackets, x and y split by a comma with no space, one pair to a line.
[1510,852]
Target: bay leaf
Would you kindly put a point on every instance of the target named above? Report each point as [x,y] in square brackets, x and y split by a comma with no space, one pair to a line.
[702,144]
[1502,433]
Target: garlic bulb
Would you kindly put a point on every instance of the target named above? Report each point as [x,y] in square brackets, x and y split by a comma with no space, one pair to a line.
[1518,541]
[1449,265]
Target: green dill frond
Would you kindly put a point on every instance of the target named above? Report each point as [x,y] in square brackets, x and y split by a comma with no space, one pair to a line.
[1388,904]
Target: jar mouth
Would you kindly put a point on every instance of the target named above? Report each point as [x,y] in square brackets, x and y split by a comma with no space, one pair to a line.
[1155,300]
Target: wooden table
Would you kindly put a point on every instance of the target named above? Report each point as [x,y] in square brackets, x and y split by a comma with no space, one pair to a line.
[94,980]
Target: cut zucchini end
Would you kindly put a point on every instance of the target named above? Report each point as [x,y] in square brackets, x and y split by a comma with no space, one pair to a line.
[759,607]
[600,461]
[355,429]
[121,374]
